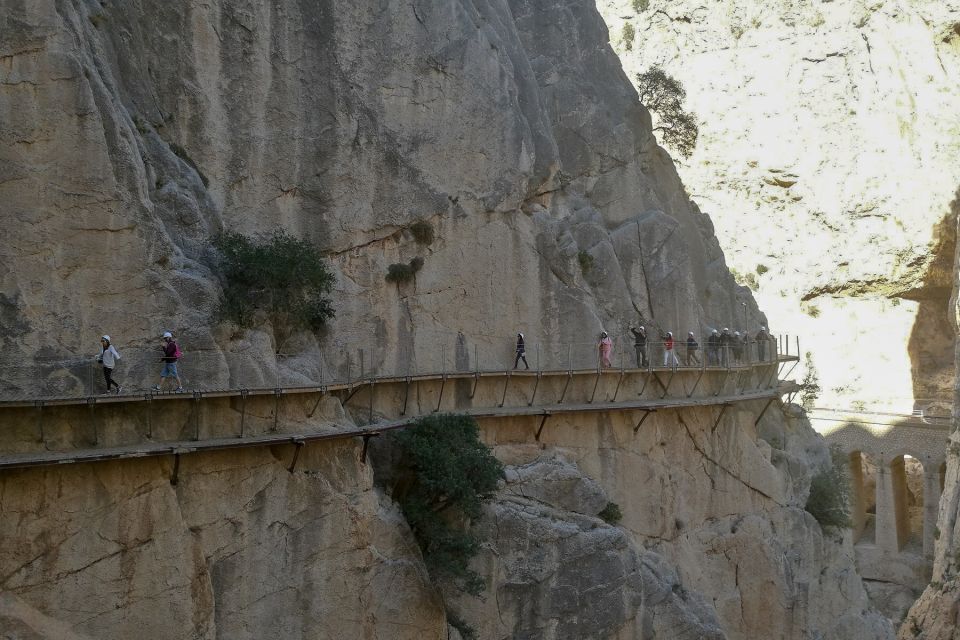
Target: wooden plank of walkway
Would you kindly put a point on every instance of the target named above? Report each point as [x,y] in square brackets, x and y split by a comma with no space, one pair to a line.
[213,392]
[20,461]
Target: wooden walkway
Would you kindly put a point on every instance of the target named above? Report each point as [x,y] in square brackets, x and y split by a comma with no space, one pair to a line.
[335,386]
[178,448]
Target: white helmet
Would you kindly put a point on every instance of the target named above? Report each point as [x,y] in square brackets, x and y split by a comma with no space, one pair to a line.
[690,333]
[670,333]
[736,333]
[167,334]
[105,337]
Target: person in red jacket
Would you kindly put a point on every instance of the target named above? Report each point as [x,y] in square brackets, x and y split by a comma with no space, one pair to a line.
[171,353]
[669,355]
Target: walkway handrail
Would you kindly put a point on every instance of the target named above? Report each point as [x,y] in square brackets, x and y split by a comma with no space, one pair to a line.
[80,376]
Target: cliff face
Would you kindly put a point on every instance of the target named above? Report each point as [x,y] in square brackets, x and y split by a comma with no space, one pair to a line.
[829,153]
[134,132]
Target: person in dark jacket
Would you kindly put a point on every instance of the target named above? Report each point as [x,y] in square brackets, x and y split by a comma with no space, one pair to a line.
[171,353]
[692,347]
[713,348]
[726,339]
[763,341]
[640,345]
[521,352]
[736,345]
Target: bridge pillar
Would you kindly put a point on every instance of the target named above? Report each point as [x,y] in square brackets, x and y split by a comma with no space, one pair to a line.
[859,506]
[886,520]
[931,505]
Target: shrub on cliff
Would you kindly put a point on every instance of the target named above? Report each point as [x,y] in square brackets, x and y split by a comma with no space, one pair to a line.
[829,500]
[422,232]
[664,95]
[810,385]
[445,477]
[629,33]
[404,271]
[280,275]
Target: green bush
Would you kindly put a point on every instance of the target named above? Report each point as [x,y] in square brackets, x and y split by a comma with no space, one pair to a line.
[762,269]
[586,261]
[445,475]
[640,6]
[829,500]
[812,310]
[281,275]
[629,33]
[404,271]
[611,513]
[422,232]
[664,95]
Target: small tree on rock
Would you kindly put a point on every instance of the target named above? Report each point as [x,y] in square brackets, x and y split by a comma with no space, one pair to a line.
[663,95]
[445,476]
[810,386]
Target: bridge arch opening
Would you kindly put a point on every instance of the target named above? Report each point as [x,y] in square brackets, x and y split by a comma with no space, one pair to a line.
[863,498]
[907,480]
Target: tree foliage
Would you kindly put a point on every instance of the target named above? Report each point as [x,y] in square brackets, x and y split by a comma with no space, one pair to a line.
[446,475]
[810,385]
[422,232]
[829,500]
[664,96]
[404,271]
[282,276]
[629,33]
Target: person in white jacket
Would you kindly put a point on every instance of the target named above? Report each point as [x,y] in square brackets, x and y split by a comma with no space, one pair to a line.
[108,356]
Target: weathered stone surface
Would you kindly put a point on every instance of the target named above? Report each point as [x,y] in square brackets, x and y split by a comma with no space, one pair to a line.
[829,154]
[505,123]
[239,548]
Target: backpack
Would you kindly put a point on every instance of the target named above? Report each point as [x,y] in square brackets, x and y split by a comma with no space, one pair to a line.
[176,352]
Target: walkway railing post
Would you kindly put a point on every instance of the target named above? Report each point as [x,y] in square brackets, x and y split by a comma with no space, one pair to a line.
[362,367]
[569,357]
[538,356]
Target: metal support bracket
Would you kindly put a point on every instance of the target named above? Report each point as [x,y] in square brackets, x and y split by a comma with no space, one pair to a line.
[443,384]
[323,392]
[563,393]
[666,389]
[765,407]
[723,383]
[543,421]
[148,398]
[535,386]
[617,390]
[476,381]
[296,454]
[696,384]
[175,476]
[243,410]
[406,397]
[276,407]
[197,395]
[91,403]
[596,383]
[646,414]
[646,381]
[39,405]
[723,410]
[506,383]
[660,382]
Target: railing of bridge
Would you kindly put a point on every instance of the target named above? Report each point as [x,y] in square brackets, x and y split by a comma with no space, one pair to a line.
[204,370]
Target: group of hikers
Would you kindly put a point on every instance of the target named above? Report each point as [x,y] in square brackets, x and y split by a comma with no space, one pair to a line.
[169,355]
[724,349]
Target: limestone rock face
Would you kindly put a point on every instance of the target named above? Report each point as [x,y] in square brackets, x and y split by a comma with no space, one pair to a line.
[713,520]
[828,158]
[132,134]
[239,548]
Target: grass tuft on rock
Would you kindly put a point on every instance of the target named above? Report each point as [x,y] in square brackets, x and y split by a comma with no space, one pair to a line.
[611,513]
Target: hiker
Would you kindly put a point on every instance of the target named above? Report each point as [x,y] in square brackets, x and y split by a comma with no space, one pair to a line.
[692,347]
[713,348]
[521,352]
[605,347]
[725,339]
[762,339]
[640,344]
[737,345]
[745,349]
[669,356]
[108,357]
[171,353]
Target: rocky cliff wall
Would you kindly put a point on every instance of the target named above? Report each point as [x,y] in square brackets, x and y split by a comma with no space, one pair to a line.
[829,153]
[133,133]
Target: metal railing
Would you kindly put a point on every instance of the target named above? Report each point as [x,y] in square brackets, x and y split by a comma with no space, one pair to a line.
[426,353]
